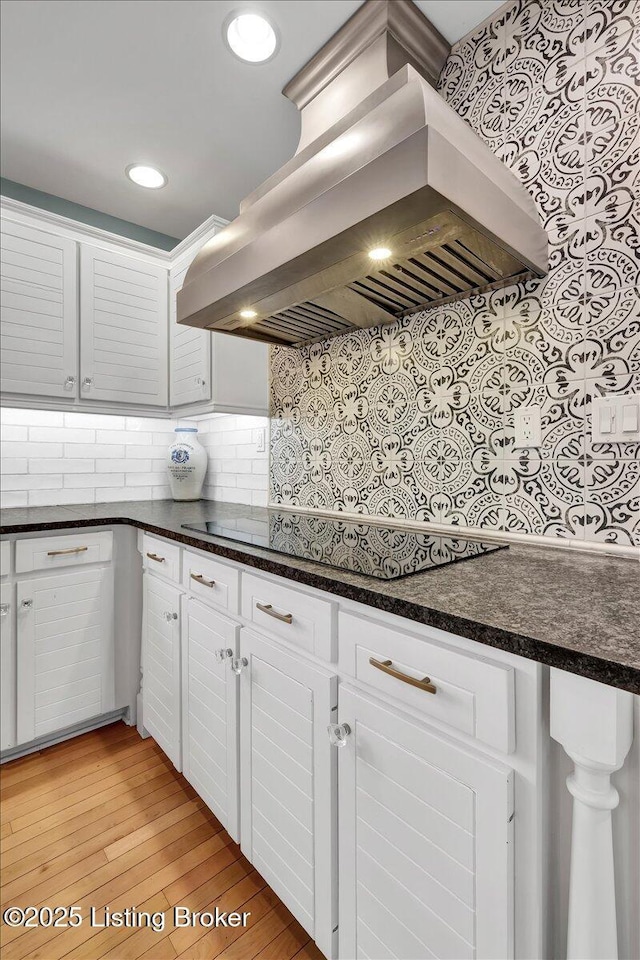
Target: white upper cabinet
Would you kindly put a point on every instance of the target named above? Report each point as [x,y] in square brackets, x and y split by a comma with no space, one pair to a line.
[190,351]
[123,328]
[38,346]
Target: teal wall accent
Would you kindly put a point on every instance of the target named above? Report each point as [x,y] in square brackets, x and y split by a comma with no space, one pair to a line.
[75,211]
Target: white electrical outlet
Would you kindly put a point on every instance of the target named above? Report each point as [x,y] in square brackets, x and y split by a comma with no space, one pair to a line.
[260,440]
[527,426]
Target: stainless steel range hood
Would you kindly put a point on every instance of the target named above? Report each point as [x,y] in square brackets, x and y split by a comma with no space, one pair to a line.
[383,161]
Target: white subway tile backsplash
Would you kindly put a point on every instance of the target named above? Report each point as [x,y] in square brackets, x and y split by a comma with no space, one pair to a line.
[11,432]
[51,458]
[14,498]
[61,435]
[96,480]
[24,481]
[20,448]
[42,418]
[54,498]
[94,421]
[14,465]
[122,436]
[56,465]
[93,450]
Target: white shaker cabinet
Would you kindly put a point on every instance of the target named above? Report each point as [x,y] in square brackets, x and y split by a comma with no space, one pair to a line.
[65,670]
[38,320]
[210,710]
[287,780]
[7,667]
[161,665]
[123,328]
[426,850]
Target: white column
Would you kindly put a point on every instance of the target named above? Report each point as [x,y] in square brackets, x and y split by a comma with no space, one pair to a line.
[594,724]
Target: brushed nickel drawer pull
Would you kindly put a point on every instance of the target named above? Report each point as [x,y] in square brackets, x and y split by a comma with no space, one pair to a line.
[387,667]
[203,580]
[60,553]
[154,556]
[268,609]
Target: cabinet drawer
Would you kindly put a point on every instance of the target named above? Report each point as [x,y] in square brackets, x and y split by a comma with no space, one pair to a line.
[472,694]
[161,557]
[70,550]
[211,581]
[306,621]
[5,558]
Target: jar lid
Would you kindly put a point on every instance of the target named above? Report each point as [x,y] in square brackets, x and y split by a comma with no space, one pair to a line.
[186,430]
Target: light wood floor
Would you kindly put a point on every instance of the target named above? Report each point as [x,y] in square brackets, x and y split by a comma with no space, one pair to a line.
[105,819]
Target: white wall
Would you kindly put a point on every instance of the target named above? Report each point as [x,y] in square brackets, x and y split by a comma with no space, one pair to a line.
[51,458]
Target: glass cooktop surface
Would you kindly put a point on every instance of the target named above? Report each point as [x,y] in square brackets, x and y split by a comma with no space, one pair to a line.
[376,551]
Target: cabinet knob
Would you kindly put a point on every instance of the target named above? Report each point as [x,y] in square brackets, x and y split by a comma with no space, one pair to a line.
[338,733]
[4,609]
[87,383]
[168,615]
[69,383]
[221,655]
[26,604]
[238,664]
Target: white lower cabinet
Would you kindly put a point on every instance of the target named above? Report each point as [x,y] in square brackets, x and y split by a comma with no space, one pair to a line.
[426,848]
[210,710]
[161,665]
[7,667]
[65,668]
[288,780]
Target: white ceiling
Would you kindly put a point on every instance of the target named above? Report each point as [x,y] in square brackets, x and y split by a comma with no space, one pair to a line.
[90,86]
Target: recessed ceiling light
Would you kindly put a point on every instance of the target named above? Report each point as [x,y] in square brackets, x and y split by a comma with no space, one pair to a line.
[248,314]
[251,37]
[146,176]
[380,253]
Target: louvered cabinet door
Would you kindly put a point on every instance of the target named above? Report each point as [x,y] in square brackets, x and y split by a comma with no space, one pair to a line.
[425,841]
[287,781]
[161,665]
[190,356]
[210,710]
[7,667]
[65,669]
[38,316]
[123,329]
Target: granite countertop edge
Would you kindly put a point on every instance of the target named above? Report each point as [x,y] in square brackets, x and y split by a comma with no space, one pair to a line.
[599,668]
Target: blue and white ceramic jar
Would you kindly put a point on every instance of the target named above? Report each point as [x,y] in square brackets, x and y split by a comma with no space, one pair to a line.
[187,464]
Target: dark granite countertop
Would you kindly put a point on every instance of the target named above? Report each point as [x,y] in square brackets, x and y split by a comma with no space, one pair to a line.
[574,610]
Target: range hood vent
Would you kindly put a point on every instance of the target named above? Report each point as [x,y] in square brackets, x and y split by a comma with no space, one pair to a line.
[382,161]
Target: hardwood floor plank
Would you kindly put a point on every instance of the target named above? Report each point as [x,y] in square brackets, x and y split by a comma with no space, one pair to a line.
[286,945]
[58,800]
[75,750]
[112,758]
[80,828]
[28,802]
[70,819]
[61,854]
[106,821]
[213,942]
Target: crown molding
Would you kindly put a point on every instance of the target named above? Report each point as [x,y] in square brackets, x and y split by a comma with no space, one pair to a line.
[64,226]
[401,20]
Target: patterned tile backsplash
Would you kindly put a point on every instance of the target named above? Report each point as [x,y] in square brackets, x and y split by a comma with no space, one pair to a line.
[415,420]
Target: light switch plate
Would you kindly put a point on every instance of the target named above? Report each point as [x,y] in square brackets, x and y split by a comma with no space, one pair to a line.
[260,440]
[528,431]
[616,418]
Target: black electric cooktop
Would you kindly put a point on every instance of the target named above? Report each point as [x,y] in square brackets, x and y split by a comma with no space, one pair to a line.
[376,551]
